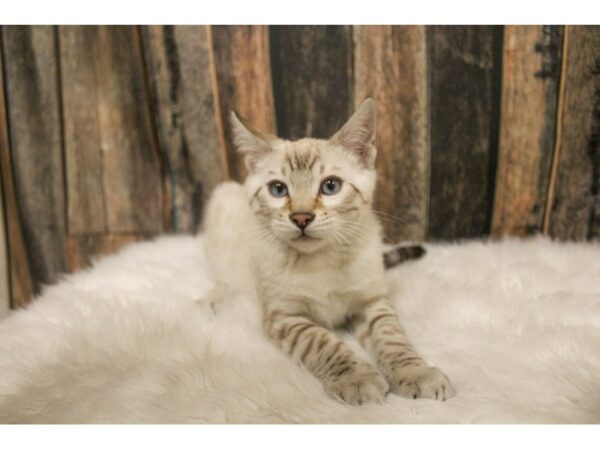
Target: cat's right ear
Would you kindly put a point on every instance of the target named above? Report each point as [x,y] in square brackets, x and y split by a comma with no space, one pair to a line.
[250,143]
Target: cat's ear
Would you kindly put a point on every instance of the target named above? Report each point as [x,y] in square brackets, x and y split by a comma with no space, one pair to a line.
[358,134]
[252,144]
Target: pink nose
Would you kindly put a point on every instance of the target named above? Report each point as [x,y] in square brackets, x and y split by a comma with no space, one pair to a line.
[302,219]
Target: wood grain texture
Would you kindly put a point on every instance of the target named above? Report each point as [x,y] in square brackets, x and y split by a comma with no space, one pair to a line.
[83,156]
[21,288]
[243,73]
[84,249]
[575,213]
[531,70]
[36,147]
[464,69]
[131,169]
[4,263]
[312,79]
[179,64]
[391,67]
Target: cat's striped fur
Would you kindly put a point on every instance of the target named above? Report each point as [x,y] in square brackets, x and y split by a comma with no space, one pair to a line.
[309,249]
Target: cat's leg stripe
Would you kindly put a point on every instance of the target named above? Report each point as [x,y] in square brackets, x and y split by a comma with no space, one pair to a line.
[301,330]
[308,348]
[376,319]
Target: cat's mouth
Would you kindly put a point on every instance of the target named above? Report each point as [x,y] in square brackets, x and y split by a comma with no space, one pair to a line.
[305,238]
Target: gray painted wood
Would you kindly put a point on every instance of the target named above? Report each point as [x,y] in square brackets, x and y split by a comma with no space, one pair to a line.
[465,82]
[575,213]
[181,73]
[36,146]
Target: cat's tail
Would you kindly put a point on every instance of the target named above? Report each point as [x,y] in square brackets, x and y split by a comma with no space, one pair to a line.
[400,254]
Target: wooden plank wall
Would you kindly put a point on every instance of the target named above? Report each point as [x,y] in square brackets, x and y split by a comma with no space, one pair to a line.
[113,134]
[4,255]
[4,264]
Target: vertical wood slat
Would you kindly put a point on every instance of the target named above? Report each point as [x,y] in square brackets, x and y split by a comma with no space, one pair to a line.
[312,79]
[464,69]
[114,179]
[531,70]
[109,137]
[36,147]
[575,212]
[178,61]
[131,166]
[21,288]
[83,155]
[4,263]
[243,74]
[391,67]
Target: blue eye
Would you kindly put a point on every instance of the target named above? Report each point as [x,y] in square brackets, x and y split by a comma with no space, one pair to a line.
[278,189]
[331,186]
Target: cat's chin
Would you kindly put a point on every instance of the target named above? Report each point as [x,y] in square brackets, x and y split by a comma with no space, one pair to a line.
[307,244]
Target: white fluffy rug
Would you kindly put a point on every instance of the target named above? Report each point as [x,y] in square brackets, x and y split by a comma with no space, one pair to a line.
[515,325]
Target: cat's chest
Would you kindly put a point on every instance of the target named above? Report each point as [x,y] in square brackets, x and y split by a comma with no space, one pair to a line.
[330,294]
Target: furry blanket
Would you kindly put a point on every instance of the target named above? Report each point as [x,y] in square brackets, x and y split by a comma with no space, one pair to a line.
[514,324]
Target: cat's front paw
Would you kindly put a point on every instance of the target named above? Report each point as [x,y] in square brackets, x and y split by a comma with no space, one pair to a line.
[363,384]
[421,382]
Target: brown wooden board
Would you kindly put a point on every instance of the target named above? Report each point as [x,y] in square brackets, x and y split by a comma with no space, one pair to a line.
[391,67]
[30,66]
[83,156]
[85,248]
[312,79]
[181,74]
[243,72]
[21,288]
[131,168]
[464,73]
[4,263]
[575,213]
[530,76]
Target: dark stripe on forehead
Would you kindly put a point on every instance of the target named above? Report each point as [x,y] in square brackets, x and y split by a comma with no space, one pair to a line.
[302,160]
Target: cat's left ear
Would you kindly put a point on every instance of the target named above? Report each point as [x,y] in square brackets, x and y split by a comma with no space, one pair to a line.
[252,144]
[358,134]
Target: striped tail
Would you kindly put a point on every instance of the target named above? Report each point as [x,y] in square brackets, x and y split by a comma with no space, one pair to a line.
[398,255]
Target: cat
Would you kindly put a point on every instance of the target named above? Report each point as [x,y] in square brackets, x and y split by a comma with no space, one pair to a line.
[301,237]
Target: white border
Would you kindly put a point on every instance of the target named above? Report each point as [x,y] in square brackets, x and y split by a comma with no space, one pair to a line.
[300,12]
[293,437]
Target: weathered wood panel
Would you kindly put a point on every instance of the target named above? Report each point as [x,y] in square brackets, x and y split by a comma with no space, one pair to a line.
[181,73]
[83,157]
[4,263]
[312,79]
[575,213]
[131,171]
[84,249]
[21,288]
[465,64]
[391,67]
[36,148]
[531,70]
[243,70]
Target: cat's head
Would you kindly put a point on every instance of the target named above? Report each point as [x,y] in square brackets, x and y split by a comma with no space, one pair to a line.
[311,193]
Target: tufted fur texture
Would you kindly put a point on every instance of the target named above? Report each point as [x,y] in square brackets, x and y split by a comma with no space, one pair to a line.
[515,324]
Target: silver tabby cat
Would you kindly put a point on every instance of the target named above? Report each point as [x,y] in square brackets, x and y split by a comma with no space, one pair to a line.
[301,237]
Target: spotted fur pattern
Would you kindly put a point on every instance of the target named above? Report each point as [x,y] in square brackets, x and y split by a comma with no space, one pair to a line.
[312,278]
